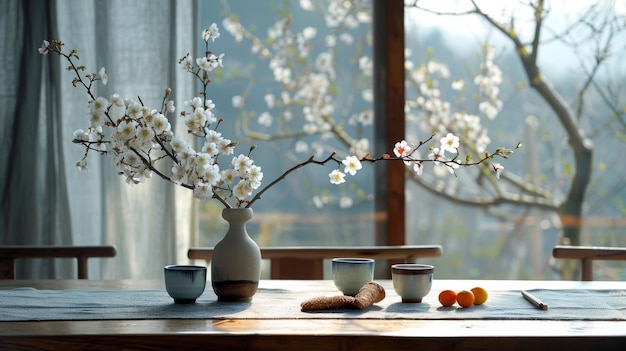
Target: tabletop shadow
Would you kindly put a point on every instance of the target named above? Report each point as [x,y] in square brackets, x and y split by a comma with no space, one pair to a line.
[349,311]
[402,307]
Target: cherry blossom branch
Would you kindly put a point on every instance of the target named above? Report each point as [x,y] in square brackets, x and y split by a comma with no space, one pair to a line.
[139,130]
[148,164]
[310,160]
[55,46]
[501,152]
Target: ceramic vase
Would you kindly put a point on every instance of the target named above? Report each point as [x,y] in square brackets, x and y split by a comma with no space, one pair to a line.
[236,261]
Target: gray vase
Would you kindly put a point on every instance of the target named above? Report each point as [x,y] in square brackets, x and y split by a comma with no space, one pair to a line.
[236,261]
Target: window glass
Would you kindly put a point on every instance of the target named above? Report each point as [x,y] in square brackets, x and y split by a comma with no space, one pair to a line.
[466,77]
[296,82]
[287,64]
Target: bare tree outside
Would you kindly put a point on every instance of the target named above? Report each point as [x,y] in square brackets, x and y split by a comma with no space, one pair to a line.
[588,110]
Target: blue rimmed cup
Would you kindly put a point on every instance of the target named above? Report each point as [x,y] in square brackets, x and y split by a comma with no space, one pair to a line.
[185,283]
[350,274]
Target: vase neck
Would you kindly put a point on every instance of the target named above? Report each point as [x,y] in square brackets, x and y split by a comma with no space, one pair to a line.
[237,214]
[237,218]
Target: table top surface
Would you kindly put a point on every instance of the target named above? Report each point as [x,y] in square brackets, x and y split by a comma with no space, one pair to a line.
[366,333]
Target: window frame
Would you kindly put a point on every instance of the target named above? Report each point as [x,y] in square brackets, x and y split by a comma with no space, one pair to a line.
[389,121]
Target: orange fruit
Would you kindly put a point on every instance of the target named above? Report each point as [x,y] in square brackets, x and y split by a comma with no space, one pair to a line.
[447,298]
[465,298]
[480,295]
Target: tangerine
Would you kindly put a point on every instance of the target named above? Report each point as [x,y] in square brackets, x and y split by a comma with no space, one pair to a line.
[480,295]
[465,298]
[447,298]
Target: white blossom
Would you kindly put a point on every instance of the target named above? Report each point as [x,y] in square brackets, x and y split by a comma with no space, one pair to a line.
[449,143]
[202,191]
[337,177]
[44,47]
[237,101]
[179,144]
[352,165]
[211,33]
[265,119]
[345,202]
[103,76]
[242,190]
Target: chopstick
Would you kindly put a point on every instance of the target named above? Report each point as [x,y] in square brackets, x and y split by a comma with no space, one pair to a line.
[535,301]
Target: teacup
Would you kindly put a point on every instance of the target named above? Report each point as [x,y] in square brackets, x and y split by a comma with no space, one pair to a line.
[185,283]
[350,274]
[412,281]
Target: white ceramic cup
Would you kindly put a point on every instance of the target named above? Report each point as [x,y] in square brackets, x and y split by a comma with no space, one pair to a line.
[350,274]
[185,283]
[412,281]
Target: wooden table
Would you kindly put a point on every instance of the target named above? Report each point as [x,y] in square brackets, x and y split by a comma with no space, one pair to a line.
[314,334]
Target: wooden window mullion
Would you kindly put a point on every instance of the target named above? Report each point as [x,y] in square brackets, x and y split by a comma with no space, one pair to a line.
[389,119]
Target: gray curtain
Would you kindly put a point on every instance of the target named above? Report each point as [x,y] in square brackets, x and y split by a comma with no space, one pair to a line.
[34,193]
[45,199]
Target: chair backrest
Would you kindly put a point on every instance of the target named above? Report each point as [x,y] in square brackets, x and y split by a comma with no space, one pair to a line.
[307,262]
[8,255]
[587,254]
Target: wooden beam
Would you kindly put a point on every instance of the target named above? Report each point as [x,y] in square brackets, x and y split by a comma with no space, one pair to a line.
[389,91]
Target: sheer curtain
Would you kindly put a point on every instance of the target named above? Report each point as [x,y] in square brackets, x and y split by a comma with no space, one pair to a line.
[45,199]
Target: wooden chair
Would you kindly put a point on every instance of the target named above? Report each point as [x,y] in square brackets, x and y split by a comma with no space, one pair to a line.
[307,262]
[8,255]
[587,254]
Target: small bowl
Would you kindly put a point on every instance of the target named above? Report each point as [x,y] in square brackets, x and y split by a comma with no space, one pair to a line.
[350,274]
[412,281]
[185,283]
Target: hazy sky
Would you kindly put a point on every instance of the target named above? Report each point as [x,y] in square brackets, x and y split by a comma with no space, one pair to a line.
[468,32]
